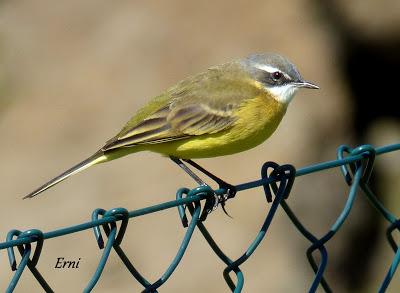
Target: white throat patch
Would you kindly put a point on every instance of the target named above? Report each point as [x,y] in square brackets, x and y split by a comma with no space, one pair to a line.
[283,93]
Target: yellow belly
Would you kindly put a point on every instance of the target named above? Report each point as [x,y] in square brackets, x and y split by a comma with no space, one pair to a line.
[258,119]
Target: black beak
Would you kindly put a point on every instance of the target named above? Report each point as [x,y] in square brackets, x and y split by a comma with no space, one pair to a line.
[307,85]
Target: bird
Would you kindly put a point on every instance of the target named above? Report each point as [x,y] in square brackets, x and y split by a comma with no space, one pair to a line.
[224,110]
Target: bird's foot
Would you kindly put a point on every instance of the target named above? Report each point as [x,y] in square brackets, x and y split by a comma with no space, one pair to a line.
[212,203]
[230,192]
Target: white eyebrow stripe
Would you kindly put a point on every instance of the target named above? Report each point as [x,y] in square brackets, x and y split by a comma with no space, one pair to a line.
[271,69]
[267,68]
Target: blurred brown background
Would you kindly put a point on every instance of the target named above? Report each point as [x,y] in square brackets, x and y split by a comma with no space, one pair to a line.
[73,72]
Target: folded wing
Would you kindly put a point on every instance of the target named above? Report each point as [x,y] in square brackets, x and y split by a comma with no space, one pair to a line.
[173,122]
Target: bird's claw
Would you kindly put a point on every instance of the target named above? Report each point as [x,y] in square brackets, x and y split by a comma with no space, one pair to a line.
[223,208]
[210,206]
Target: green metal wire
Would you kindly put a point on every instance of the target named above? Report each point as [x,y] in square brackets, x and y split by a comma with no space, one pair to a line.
[277,180]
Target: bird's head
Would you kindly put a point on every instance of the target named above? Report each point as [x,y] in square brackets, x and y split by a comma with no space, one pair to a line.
[276,74]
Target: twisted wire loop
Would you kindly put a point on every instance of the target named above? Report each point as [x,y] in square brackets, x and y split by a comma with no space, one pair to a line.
[114,240]
[285,176]
[369,154]
[25,249]
[110,226]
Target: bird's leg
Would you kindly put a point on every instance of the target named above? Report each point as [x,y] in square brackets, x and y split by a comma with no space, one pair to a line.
[210,205]
[188,171]
[230,190]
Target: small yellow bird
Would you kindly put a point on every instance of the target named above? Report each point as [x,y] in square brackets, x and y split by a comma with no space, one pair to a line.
[227,109]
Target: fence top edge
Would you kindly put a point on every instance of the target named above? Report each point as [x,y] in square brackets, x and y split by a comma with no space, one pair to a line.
[170,204]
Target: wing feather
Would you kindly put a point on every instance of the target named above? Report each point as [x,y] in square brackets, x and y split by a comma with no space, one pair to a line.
[202,119]
[203,104]
[182,122]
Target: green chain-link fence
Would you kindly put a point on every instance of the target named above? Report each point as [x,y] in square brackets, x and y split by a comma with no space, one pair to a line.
[277,181]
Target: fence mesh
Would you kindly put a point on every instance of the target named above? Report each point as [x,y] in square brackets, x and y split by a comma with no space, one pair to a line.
[277,180]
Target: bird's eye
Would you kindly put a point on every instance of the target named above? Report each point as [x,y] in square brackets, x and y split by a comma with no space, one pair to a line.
[276,75]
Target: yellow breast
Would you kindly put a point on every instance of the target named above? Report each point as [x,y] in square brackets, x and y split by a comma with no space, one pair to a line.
[258,118]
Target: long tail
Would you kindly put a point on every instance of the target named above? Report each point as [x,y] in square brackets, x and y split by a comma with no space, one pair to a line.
[92,160]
